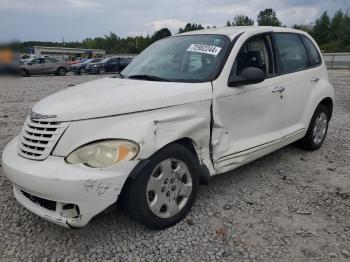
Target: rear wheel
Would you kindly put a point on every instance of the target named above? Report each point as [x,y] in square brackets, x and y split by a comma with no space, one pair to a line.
[165,190]
[61,71]
[317,130]
[24,72]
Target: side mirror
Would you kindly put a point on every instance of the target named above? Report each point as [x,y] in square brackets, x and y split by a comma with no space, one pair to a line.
[248,76]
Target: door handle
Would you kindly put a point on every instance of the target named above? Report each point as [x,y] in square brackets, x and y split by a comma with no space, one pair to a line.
[314,80]
[278,89]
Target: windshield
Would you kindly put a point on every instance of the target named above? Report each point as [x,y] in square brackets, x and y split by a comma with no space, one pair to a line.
[87,61]
[104,60]
[193,58]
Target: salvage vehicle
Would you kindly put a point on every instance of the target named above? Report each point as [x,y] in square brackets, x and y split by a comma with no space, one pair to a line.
[189,107]
[108,65]
[46,65]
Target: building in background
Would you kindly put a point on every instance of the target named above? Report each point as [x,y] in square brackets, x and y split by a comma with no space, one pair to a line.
[64,53]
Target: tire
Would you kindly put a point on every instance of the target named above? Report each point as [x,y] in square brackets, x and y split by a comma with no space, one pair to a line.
[24,72]
[61,71]
[159,201]
[317,130]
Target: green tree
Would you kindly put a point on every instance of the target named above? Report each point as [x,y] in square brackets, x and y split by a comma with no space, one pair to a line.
[268,17]
[190,27]
[162,33]
[335,26]
[305,28]
[241,20]
[228,23]
[344,34]
[321,28]
[110,42]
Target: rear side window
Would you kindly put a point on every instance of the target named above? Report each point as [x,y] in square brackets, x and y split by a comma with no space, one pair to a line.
[315,58]
[291,53]
[50,60]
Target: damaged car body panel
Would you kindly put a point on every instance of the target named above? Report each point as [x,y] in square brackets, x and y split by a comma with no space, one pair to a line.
[189,106]
[91,189]
[159,128]
[113,96]
[253,120]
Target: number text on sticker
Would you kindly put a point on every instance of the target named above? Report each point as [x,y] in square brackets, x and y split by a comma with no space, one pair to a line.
[207,49]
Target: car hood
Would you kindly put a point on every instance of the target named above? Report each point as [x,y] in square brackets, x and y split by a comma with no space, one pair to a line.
[115,96]
[92,64]
[78,65]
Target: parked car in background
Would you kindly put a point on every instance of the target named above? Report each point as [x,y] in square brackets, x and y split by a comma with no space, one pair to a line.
[47,65]
[109,64]
[73,62]
[26,58]
[80,67]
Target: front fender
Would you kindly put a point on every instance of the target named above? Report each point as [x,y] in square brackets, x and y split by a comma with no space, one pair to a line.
[152,129]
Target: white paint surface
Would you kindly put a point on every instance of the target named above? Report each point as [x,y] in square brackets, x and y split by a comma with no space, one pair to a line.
[248,122]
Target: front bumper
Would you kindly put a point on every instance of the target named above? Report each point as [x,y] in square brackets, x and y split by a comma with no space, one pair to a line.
[77,70]
[93,70]
[67,195]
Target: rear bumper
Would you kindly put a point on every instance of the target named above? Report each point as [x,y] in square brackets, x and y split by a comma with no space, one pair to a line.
[77,192]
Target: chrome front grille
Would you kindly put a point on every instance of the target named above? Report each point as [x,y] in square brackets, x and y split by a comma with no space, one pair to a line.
[39,137]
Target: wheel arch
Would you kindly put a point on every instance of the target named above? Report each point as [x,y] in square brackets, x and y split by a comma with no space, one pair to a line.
[188,143]
[61,67]
[26,70]
[328,103]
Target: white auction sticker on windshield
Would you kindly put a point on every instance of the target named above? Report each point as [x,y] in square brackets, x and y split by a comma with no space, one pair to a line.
[207,49]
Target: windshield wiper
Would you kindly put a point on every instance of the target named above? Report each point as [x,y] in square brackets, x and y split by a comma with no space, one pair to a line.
[149,77]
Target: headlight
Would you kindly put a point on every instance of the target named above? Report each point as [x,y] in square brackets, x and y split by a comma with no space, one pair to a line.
[103,153]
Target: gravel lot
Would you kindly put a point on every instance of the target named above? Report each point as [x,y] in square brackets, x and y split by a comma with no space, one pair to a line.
[291,205]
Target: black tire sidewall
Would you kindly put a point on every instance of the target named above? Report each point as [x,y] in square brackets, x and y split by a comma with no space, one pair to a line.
[308,141]
[24,72]
[61,69]
[137,192]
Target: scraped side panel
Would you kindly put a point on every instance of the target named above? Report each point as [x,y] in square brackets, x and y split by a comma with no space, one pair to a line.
[152,130]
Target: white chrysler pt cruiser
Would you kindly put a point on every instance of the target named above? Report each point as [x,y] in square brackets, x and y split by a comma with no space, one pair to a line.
[187,108]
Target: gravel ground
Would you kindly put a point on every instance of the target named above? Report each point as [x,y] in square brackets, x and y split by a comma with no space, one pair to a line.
[291,205]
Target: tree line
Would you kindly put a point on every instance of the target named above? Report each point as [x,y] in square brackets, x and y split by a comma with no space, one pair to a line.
[331,33]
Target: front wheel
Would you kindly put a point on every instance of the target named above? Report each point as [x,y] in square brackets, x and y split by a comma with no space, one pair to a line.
[165,190]
[317,130]
[61,71]
[24,72]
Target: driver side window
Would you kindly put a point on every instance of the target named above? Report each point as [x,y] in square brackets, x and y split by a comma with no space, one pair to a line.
[37,61]
[256,52]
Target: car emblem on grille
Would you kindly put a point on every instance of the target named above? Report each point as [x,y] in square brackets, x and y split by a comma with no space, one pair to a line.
[35,116]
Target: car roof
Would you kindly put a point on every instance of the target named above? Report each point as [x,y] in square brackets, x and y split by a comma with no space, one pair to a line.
[232,31]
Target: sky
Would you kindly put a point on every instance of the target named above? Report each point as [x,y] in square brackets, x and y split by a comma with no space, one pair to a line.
[75,20]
